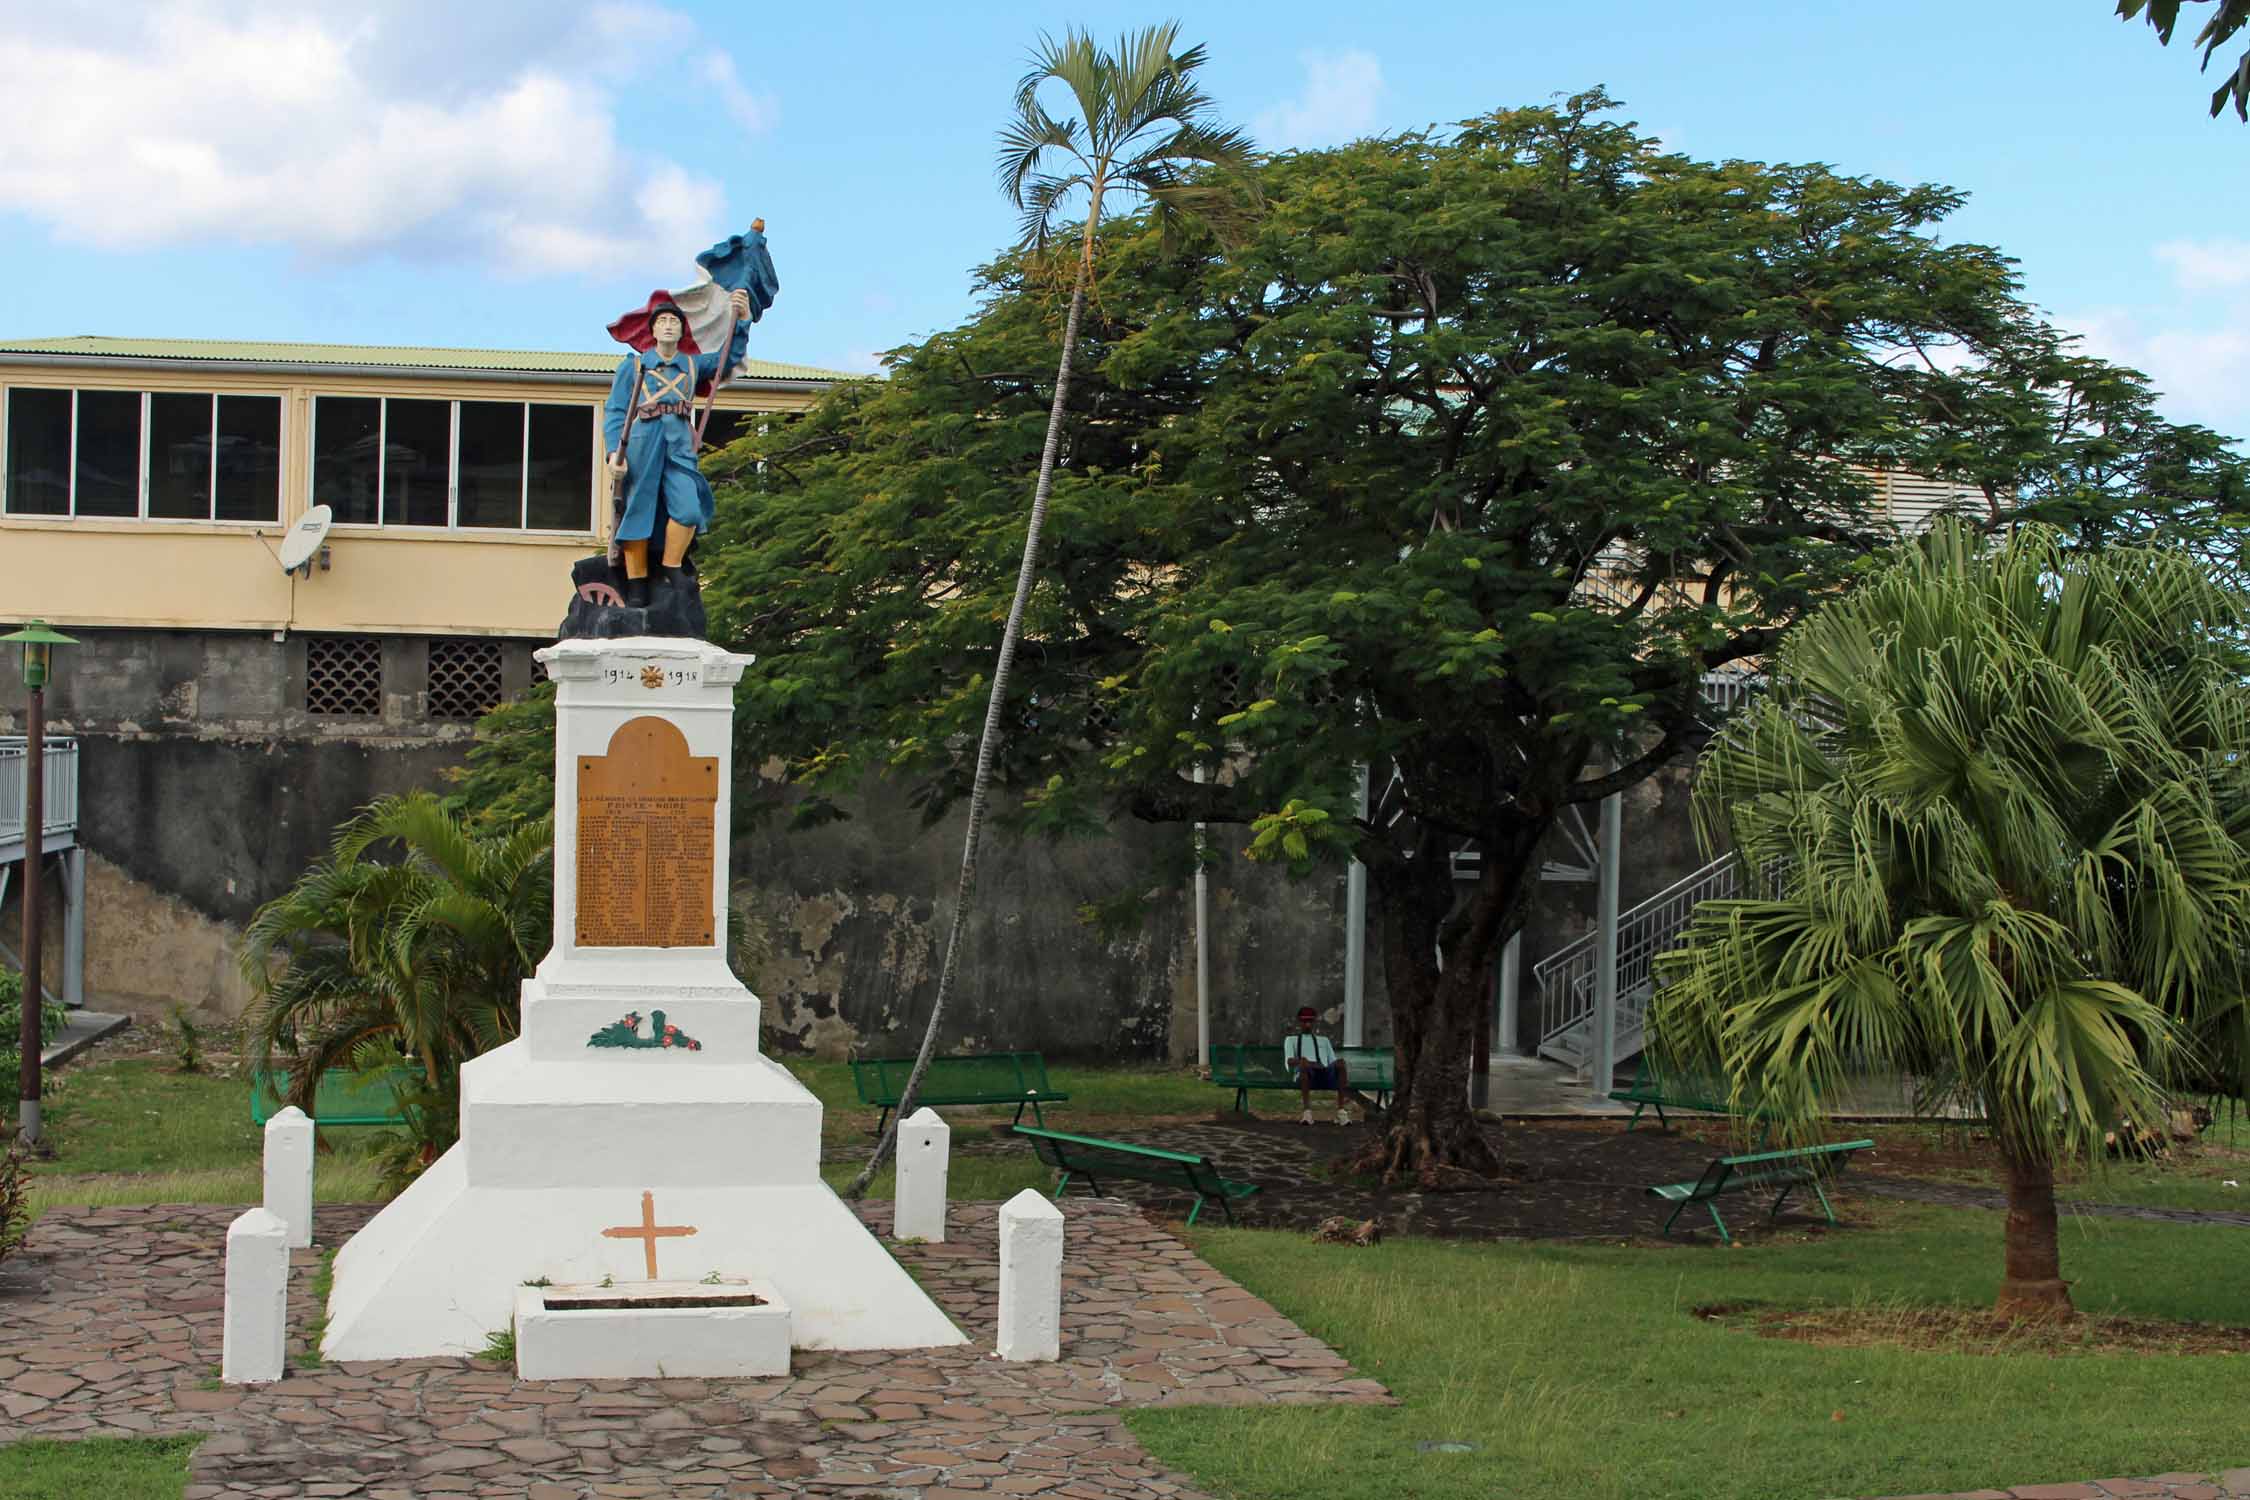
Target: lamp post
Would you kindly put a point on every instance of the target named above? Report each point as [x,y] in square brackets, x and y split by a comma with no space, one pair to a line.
[38,644]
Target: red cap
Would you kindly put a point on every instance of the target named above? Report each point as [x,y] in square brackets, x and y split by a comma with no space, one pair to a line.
[1307,1013]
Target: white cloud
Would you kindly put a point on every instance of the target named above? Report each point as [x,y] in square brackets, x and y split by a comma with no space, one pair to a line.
[1338,103]
[755,113]
[2202,370]
[343,131]
[2207,265]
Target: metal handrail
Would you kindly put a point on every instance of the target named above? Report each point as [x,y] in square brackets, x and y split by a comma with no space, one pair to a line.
[1564,979]
[60,792]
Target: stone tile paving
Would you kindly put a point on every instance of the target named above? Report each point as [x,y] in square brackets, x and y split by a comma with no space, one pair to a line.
[2233,1483]
[110,1325]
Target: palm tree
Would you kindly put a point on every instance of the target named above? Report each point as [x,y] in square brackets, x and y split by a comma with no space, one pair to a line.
[419,958]
[1997,806]
[1141,132]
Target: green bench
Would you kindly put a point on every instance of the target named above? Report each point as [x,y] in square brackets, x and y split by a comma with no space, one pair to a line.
[1242,1067]
[343,1097]
[1093,1158]
[1653,1090]
[1018,1078]
[1782,1172]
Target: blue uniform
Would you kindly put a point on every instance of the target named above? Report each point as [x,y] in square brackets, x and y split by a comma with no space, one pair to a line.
[660,469]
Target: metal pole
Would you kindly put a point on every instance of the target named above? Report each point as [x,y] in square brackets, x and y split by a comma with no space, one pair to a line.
[1605,955]
[1355,940]
[74,925]
[1511,958]
[1202,949]
[34,852]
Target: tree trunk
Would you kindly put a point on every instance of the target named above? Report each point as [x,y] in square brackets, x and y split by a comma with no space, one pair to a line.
[981,783]
[1433,1139]
[2033,1286]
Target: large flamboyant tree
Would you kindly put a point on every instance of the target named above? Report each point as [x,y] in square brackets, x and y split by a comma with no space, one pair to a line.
[1337,495]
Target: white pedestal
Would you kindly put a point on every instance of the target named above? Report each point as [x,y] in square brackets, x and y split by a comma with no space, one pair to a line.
[642,1330]
[561,1140]
[289,1173]
[1031,1252]
[925,1145]
[254,1339]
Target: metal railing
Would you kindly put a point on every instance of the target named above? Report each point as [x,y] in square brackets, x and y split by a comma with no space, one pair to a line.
[61,789]
[1564,979]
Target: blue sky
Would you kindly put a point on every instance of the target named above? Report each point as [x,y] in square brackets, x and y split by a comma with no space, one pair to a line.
[510,173]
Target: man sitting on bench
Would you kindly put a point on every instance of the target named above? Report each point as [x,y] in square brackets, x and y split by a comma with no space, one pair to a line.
[1313,1058]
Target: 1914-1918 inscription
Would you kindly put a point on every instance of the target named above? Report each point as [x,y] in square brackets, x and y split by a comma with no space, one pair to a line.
[647,813]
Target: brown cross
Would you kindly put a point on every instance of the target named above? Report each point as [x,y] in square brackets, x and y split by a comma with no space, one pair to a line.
[648,1231]
[663,385]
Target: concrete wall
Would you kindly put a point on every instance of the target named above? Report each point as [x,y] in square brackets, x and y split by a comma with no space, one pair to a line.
[852,918]
[206,789]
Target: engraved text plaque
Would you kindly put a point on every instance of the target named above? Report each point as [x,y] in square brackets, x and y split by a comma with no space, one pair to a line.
[647,816]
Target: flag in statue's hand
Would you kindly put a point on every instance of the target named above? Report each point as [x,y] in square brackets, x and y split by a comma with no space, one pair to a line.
[739,264]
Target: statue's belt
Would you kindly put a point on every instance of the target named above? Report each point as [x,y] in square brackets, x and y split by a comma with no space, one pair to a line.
[651,410]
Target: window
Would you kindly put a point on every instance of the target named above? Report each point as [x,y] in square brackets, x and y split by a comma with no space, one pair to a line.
[464,678]
[417,454]
[155,455]
[344,675]
[488,465]
[38,453]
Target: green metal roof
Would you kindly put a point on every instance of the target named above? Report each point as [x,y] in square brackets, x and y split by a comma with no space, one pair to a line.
[242,351]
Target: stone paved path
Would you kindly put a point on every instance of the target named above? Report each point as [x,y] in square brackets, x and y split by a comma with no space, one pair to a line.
[110,1325]
[2231,1484]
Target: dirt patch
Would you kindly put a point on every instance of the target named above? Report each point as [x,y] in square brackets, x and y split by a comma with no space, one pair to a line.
[1563,1179]
[1960,1330]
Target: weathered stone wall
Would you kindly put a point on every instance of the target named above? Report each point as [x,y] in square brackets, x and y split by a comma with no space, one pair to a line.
[206,789]
[853,917]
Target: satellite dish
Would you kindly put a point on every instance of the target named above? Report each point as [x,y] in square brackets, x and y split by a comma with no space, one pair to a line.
[303,541]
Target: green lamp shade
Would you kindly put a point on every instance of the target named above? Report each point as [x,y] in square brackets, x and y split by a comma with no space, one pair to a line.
[38,641]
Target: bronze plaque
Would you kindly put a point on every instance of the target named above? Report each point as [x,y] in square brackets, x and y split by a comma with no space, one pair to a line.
[647,814]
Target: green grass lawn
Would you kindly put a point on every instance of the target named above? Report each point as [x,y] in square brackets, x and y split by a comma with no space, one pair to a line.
[1101,1098]
[136,1130]
[112,1468]
[1582,1370]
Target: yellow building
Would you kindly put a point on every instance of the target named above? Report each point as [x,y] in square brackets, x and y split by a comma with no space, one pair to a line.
[147,482]
[221,716]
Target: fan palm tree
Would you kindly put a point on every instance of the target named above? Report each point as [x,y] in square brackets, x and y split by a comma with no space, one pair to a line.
[1996,808]
[1141,131]
[414,959]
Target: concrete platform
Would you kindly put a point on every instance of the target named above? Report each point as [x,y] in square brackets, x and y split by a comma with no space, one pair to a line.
[81,1029]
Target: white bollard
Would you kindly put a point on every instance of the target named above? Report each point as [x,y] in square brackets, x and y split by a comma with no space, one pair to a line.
[256,1334]
[1031,1251]
[925,1143]
[289,1173]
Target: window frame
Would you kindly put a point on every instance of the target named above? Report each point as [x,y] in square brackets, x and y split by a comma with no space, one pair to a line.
[140,515]
[453,526]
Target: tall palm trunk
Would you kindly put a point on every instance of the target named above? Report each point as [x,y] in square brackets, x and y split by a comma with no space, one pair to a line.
[2033,1286]
[993,710]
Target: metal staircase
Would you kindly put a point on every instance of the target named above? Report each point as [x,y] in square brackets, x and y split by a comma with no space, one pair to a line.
[1564,981]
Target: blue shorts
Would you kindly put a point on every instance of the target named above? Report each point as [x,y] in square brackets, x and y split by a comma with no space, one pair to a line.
[1318,1078]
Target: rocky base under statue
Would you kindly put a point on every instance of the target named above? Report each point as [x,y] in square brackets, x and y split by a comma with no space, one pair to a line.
[598,611]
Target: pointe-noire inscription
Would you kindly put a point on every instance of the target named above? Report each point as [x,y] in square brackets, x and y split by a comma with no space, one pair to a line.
[647,813]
